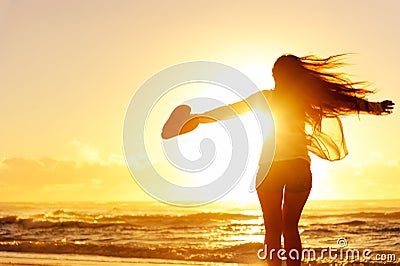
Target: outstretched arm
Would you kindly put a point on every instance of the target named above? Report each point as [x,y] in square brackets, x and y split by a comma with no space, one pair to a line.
[221,113]
[376,108]
[181,121]
[233,110]
[224,112]
[365,107]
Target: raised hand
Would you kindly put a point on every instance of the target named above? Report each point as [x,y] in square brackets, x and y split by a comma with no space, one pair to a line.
[181,121]
[387,106]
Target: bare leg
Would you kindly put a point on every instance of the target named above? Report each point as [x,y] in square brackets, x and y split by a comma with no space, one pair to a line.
[292,208]
[271,205]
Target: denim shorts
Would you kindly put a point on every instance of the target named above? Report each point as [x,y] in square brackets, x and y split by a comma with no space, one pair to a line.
[293,175]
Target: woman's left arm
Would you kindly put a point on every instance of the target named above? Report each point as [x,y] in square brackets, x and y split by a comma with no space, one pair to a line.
[377,108]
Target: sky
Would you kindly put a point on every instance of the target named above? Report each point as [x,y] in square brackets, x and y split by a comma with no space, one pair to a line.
[68,70]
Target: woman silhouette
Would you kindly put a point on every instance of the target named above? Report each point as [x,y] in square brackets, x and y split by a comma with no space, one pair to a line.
[306,92]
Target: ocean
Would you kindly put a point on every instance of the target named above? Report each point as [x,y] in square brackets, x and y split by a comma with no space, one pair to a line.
[83,233]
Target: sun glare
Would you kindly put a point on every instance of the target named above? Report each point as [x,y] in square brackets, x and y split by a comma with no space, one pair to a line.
[260,74]
[189,144]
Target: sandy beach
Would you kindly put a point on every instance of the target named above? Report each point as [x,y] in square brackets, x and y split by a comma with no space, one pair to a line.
[15,258]
[24,259]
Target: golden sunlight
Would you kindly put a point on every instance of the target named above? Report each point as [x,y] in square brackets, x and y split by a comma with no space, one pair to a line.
[189,144]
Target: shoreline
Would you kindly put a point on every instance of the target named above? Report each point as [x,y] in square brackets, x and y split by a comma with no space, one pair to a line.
[36,259]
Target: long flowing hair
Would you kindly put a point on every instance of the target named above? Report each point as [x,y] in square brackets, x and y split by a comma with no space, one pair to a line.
[322,90]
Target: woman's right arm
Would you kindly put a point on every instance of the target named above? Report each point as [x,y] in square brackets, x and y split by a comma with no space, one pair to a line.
[232,110]
[224,112]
